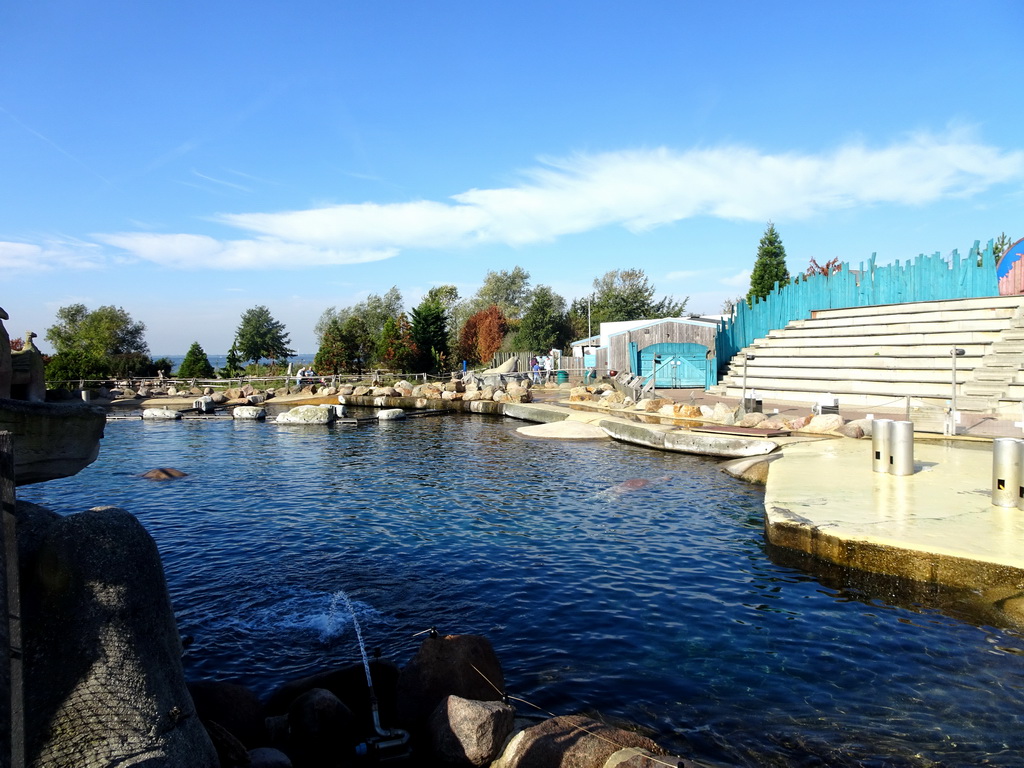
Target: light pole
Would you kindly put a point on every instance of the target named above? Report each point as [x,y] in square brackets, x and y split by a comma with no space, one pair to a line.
[746,357]
[954,353]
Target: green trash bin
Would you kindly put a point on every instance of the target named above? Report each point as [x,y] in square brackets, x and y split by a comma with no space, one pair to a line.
[561,377]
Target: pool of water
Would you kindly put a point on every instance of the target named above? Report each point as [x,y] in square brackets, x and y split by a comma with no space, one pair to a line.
[657,604]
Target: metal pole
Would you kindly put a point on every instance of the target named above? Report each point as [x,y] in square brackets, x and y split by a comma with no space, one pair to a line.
[954,353]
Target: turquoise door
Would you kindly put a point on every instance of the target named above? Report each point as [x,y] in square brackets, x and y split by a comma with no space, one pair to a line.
[677,365]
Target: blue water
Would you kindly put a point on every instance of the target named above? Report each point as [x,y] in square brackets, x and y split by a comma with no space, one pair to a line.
[657,605]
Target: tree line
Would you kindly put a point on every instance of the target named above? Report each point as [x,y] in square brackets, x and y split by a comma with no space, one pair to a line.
[507,314]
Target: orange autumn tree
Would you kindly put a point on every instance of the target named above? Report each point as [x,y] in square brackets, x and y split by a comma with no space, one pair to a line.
[482,335]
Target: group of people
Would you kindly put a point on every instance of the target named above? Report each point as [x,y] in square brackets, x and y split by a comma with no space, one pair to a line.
[543,366]
[304,373]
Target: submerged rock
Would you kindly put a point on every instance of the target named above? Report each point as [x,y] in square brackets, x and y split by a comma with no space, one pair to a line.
[308,414]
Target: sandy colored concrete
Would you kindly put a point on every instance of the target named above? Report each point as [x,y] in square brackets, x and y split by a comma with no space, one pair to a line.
[937,525]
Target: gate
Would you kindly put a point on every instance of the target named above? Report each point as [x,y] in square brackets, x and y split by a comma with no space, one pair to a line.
[677,365]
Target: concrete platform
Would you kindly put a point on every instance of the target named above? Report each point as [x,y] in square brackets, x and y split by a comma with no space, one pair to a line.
[936,526]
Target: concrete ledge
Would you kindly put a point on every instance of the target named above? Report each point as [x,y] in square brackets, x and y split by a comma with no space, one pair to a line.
[937,526]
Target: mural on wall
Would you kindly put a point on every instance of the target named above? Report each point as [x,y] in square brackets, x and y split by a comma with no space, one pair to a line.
[1010,270]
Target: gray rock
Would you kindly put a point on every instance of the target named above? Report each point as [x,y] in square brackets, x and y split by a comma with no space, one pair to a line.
[103,676]
[321,728]
[571,741]
[725,414]
[268,757]
[160,414]
[307,414]
[248,412]
[459,665]
[826,422]
[389,414]
[470,733]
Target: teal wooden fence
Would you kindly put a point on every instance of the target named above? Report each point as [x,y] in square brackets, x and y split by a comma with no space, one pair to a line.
[926,278]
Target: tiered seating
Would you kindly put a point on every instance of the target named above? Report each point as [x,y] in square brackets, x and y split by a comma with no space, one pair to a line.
[874,356]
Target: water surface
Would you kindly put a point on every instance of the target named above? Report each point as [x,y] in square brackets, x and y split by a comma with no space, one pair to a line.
[656,604]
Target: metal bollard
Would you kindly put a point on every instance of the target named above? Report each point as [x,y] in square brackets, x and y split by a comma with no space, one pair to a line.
[1006,477]
[1020,475]
[881,442]
[902,461]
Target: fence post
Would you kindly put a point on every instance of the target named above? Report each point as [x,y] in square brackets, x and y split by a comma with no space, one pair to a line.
[12,713]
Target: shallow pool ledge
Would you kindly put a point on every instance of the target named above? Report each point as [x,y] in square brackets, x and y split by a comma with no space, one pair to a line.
[936,526]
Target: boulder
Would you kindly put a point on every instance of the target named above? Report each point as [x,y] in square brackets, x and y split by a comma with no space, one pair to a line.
[856,431]
[826,422]
[384,392]
[865,426]
[235,707]
[231,753]
[257,399]
[321,729]
[128,394]
[459,665]
[307,414]
[470,733]
[726,414]
[389,414]
[158,414]
[219,398]
[752,420]
[652,404]
[268,757]
[572,741]
[346,389]
[249,413]
[102,657]
[452,396]
[172,391]
[360,391]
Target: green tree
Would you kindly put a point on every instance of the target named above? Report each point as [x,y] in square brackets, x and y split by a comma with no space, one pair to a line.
[430,333]
[101,332]
[626,294]
[196,364]
[232,364]
[96,344]
[373,313]
[260,336]
[769,267]
[396,349]
[509,291]
[544,324]
[344,343]
[1000,244]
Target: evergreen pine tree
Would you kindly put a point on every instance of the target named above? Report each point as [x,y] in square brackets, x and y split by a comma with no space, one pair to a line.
[770,266]
[196,364]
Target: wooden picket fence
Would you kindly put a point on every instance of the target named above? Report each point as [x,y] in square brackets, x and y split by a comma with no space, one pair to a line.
[926,278]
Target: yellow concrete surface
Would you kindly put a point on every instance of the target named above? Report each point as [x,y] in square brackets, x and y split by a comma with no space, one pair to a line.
[938,525]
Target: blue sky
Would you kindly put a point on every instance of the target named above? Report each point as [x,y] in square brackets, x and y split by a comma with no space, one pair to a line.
[188,161]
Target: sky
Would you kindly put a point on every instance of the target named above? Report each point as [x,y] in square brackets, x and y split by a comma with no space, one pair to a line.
[188,161]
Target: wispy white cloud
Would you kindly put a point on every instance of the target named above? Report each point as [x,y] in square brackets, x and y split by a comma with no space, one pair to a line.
[641,189]
[740,280]
[201,251]
[636,189]
[68,253]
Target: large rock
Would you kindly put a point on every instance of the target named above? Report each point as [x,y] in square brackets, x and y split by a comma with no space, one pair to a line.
[572,741]
[470,733]
[321,730]
[103,677]
[235,707]
[308,414]
[826,422]
[390,414]
[459,665]
[161,414]
[248,413]
[726,414]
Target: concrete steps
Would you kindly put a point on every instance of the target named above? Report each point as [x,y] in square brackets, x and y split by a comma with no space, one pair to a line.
[877,355]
